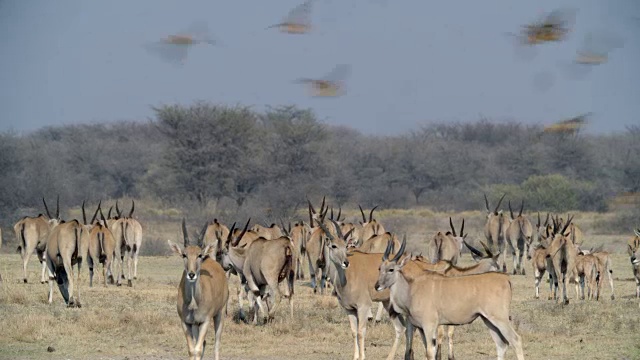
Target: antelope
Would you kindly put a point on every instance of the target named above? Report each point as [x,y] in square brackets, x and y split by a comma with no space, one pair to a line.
[519,235]
[378,243]
[263,263]
[299,235]
[62,252]
[354,275]
[585,271]
[634,256]
[31,234]
[494,230]
[561,258]
[485,262]
[315,248]
[211,233]
[202,294]
[102,248]
[230,255]
[127,233]
[447,246]
[538,256]
[371,227]
[604,266]
[271,232]
[431,299]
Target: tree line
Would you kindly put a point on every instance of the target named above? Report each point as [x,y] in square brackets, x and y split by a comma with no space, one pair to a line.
[212,156]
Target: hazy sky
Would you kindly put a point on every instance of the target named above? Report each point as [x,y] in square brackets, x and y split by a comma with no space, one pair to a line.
[412,61]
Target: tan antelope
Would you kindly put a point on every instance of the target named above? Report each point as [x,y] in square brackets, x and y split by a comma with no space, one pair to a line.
[538,256]
[485,262]
[269,233]
[315,250]
[102,249]
[215,228]
[62,252]
[230,254]
[634,256]
[604,266]
[432,299]
[446,246]
[299,235]
[585,273]
[31,234]
[127,233]
[354,275]
[263,265]
[494,230]
[519,235]
[369,228]
[202,294]
[561,259]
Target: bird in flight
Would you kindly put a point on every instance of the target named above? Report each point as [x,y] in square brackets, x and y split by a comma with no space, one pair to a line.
[298,21]
[175,48]
[330,85]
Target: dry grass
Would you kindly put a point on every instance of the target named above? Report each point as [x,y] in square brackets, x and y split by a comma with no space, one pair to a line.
[142,322]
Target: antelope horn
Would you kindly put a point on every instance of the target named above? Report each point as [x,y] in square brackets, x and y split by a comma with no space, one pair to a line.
[566,225]
[486,202]
[84,215]
[118,212]
[462,228]
[331,215]
[133,206]
[339,212]
[472,249]
[109,214]
[538,225]
[499,202]
[371,213]
[521,208]
[546,222]
[387,251]
[486,249]
[401,250]
[510,210]
[338,230]
[95,214]
[202,233]
[325,230]
[322,206]
[453,230]
[364,219]
[185,234]
[230,235]
[104,221]
[310,214]
[311,209]
[46,208]
[246,226]
[636,231]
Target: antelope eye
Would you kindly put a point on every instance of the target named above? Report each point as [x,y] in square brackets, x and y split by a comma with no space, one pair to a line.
[184,256]
[334,246]
[200,256]
[391,270]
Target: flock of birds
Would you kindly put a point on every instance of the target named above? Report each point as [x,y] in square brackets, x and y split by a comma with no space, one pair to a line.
[551,27]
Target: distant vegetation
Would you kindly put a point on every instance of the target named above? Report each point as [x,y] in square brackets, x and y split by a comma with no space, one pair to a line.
[215,158]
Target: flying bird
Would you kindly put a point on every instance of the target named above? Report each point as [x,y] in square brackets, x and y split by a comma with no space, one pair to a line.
[570,126]
[553,27]
[331,85]
[175,48]
[298,21]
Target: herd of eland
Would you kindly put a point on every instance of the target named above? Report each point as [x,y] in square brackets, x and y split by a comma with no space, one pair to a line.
[360,263]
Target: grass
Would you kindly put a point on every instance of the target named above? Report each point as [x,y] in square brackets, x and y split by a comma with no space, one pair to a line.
[142,322]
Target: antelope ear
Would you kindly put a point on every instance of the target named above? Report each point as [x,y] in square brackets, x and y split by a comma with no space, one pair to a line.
[175,248]
[404,261]
[208,250]
[629,249]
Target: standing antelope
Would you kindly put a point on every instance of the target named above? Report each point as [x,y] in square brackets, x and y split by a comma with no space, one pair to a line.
[31,234]
[519,236]
[269,233]
[538,256]
[369,228]
[432,299]
[102,249]
[561,259]
[215,228]
[354,275]
[447,246]
[202,294]
[127,233]
[63,251]
[299,235]
[634,256]
[494,230]
[585,273]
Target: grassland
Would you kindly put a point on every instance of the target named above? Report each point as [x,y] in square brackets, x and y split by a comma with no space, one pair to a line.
[142,323]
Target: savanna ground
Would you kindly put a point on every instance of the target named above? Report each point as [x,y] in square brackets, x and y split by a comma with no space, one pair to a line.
[142,322]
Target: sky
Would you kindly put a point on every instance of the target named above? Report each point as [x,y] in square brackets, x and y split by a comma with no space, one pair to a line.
[413,62]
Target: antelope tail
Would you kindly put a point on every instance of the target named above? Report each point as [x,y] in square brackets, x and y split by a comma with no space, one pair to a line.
[103,255]
[23,241]
[288,264]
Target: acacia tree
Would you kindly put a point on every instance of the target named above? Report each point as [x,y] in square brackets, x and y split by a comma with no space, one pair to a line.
[212,150]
